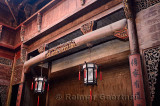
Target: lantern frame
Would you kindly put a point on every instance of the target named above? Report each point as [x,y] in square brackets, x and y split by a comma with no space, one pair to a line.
[39,86]
[90,69]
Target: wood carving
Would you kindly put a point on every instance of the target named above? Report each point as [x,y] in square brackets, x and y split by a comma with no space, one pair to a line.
[23,53]
[22,33]
[17,74]
[3,94]
[88,27]
[152,58]
[127,9]
[1,26]
[42,48]
[39,21]
[61,48]
[122,34]
[82,2]
[143,4]
[5,61]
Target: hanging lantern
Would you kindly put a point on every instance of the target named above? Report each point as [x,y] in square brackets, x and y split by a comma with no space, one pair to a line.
[90,73]
[39,84]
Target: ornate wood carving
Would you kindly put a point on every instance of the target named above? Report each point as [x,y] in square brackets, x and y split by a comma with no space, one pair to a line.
[1,26]
[22,33]
[127,9]
[122,34]
[17,74]
[5,61]
[88,27]
[61,48]
[143,4]
[83,2]
[42,48]
[3,94]
[39,21]
[23,53]
[152,58]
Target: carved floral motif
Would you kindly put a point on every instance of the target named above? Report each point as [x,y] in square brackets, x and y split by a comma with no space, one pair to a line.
[152,58]
[3,94]
[88,27]
[122,34]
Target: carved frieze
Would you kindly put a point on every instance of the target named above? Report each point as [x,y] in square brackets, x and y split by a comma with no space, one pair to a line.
[39,21]
[1,26]
[22,33]
[17,74]
[152,58]
[122,34]
[61,48]
[83,2]
[143,4]
[5,61]
[88,27]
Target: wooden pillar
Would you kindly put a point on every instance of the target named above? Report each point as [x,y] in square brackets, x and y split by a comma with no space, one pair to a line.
[134,60]
[10,85]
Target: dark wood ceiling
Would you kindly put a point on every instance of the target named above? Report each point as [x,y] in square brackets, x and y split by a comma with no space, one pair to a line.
[14,12]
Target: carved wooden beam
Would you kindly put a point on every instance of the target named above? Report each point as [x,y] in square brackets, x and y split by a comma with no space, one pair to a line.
[92,36]
[23,53]
[42,48]
[39,21]
[1,27]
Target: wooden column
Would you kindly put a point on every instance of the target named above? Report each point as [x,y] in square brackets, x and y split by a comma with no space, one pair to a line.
[134,60]
[10,85]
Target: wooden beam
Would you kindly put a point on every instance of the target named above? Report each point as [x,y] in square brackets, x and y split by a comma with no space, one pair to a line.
[82,40]
[96,53]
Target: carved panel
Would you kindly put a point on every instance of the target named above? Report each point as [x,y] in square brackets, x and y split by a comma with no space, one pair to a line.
[22,33]
[143,4]
[152,58]
[5,74]
[1,26]
[5,61]
[17,74]
[61,48]
[122,34]
[88,27]
[39,21]
[3,94]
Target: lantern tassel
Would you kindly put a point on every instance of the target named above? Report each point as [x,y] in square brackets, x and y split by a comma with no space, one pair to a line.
[32,86]
[79,75]
[44,86]
[38,101]
[90,95]
[100,75]
[48,88]
[36,85]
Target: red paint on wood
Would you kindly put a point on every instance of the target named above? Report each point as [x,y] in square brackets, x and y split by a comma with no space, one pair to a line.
[137,80]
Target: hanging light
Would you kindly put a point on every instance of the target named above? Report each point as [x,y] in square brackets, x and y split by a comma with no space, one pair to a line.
[90,73]
[39,84]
